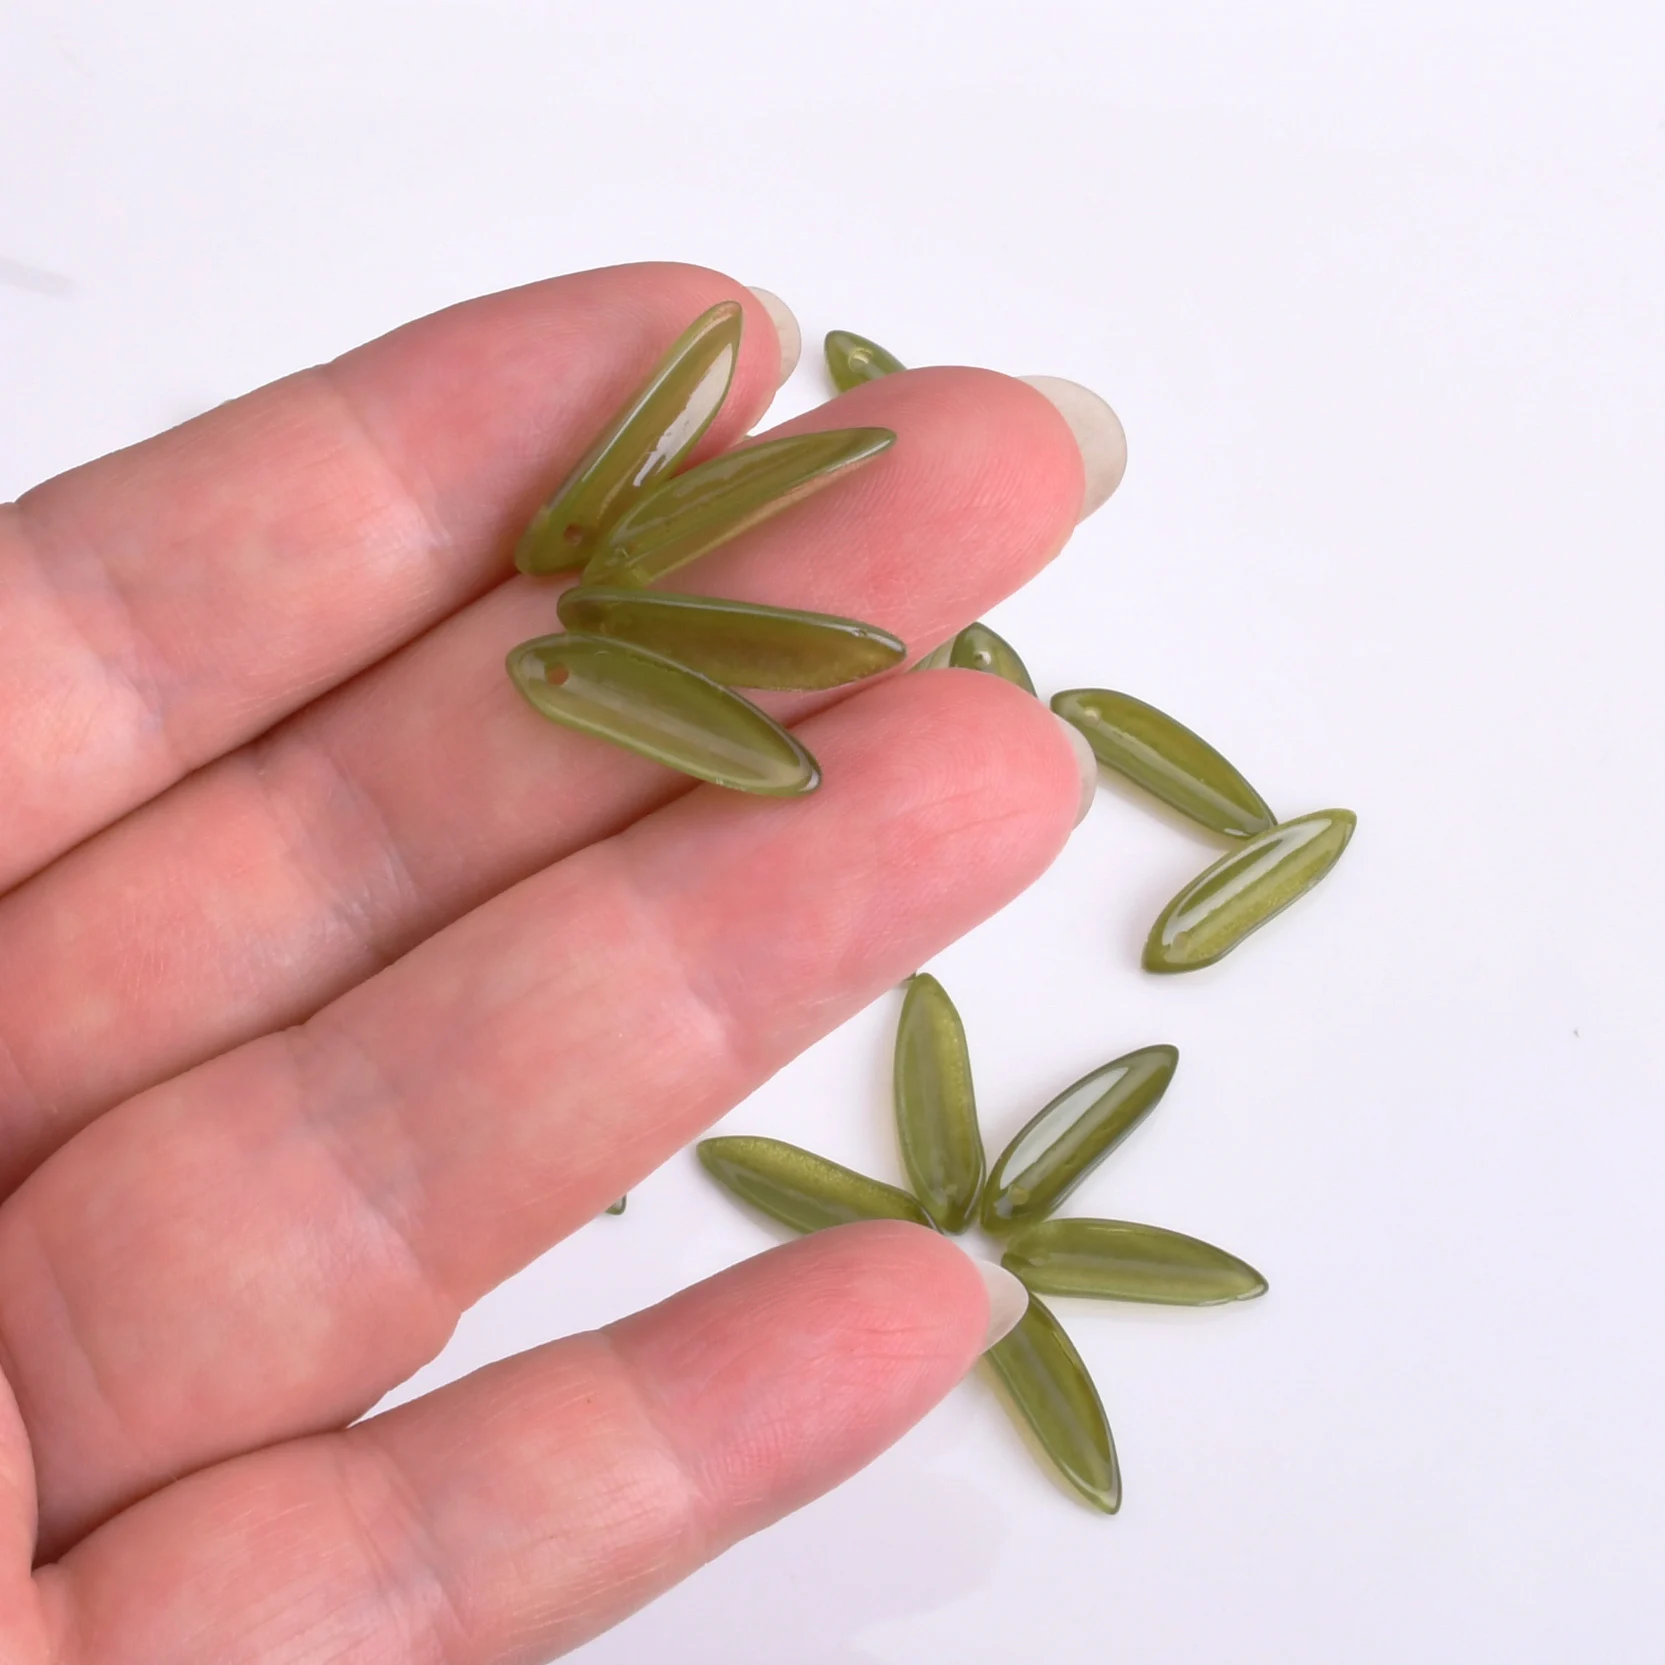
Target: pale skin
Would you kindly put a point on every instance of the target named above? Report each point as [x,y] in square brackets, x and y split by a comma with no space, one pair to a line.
[336,985]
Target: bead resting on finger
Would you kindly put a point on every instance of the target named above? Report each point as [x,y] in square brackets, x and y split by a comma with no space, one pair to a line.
[692,514]
[652,705]
[739,643]
[649,436]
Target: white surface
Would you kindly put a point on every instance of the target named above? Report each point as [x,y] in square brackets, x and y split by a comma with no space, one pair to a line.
[1379,294]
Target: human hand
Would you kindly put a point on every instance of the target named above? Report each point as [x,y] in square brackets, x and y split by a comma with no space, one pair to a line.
[336,985]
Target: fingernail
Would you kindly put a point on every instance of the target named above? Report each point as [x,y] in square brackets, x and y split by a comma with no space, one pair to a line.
[1097,430]
[1087,764]
[786,327]
[1008,1301]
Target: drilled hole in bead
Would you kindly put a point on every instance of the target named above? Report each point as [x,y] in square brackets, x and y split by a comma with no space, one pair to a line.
[573,534]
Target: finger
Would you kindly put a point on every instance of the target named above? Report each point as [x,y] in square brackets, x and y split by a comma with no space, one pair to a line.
[268,1244]
[168,602]
[281,875]
[522,1510]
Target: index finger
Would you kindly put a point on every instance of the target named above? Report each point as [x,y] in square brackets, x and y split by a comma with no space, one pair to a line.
[166,603]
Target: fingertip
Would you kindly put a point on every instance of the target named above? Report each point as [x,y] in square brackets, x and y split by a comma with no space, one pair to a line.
[1097,432]
[787,330]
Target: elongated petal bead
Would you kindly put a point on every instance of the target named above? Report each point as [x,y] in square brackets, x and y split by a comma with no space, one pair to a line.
[936,1110]
[800,1189]
[1048,1390]
[1166,758]
[977,648]
[1059,1147]
[1239,893]
[1117,1260]
[937,659]
[735,642]
[653,431]
[692,514]
[619,1206]
[853,359]
[654,706]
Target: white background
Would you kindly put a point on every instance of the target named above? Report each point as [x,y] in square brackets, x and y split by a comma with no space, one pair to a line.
[1380,296]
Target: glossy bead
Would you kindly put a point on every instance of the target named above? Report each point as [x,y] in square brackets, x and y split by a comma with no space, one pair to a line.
[977,648]
[1166,758]
[692,514]
[735,642]
[1048,1390]
[1239,893]
[654,706]
[937,658]
[800,1189]
[936,1110]
[618,1207]
[1059,1147]
[853,359]
[655,428]
[1116,1260]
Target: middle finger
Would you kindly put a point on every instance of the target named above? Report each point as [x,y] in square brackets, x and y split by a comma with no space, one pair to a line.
[265,885]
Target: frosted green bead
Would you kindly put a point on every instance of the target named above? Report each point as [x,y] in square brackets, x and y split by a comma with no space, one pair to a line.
[936,1110]
[853,359]
[1239,893]
[800,1189]
[1117,1260]
[735,642]
[694,513]
[1048,1390]
[655,428]
[1059,1147]
[977,648]
[1166,758]
[654,706]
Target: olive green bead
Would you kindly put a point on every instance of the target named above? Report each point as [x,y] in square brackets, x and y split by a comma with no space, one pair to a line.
[853,359]
[1059,1147]
[1166,758]
[655,428]
[735,642]
[937,659]
[1117,1260]
[1239,893]
[618,1207]
[936,1110]
[977,648]
[1048,1390]
[694,513]
[652,705]
[800,1189]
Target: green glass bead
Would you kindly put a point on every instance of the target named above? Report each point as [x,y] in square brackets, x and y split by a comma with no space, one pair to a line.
[1072,1135]
[1048,1390]
[1166,758]
[1240,893]
[655,428]
[800,1189]
[618,1207]
[937,659]
[936,1110]
[977,648]
[1116,1260]
[853,359]
[654,706]
[692,514]
[735,642]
